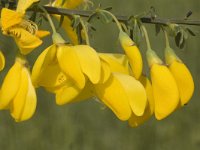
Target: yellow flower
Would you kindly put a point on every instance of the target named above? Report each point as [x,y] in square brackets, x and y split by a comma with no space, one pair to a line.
[64,70]
[165,90]
[135,121]
[132,53]
[25,32]
[123,94]
[17,92]
[181,74]
[2,61]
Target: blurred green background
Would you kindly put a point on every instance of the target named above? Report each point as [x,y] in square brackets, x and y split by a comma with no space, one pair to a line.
[88,125]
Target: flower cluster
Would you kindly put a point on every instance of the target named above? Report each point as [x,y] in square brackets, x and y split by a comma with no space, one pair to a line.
[75,72]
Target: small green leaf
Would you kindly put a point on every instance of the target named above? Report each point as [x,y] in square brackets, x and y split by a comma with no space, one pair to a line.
[157,28]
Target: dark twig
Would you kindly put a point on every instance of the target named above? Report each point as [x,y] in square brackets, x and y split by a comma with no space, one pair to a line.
[83,13]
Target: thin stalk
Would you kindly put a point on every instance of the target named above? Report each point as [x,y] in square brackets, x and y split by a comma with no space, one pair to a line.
[146,37]
[114,18]
[49,19]
[166,38]
[85,30]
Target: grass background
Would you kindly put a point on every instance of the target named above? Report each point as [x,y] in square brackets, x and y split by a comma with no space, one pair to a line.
[89,126]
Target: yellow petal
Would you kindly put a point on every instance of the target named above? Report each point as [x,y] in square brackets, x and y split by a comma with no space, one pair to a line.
[25,40]
[136,93]
[52,76]
[42,33]
[2,61]
[135,121]
[133,54]
[10,18]
[165,91]
[42,61]
[149,92]
[105,71]
[126,98]
[184,81]
[70,65]
[18,102]
[22,5]
[30,102]
[71,93]
[114,64]
[120,58]
[89,62]
[70,4]
[10,85]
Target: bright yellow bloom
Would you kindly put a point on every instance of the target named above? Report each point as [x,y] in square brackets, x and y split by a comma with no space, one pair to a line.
[2,61]
[25,32]
[64,70]
[135,121]
[17,92]
[123,94]
[181,74]
[165,90]
[133,54]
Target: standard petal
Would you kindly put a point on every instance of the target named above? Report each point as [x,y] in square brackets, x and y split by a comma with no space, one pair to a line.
[9,18]
[42,61]
[135,92]
[18,103]
[30,101]
[69,64]
[89,62]
[25,40]
[2,61]
[165,91]
[115,96]
[184,81]
[114,64]
[10,85]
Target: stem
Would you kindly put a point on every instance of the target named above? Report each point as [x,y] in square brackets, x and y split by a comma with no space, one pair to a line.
[86,31]
[114,18]
[49,19]
[51,23]
[87,13]
[146,37]
[166,38]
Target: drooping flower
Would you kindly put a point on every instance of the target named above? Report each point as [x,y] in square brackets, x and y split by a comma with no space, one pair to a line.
[2,61]
[17,92]
[133,54]
[181,74]
[122,93]
[64,70]
[165,90]
[24,31]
